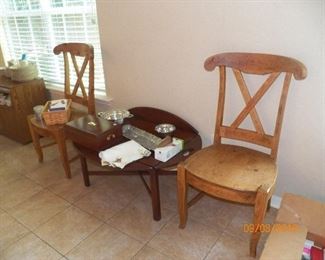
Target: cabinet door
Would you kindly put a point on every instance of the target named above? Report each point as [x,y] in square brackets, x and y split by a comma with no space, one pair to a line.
[2,129]
[8,119]
[24,96]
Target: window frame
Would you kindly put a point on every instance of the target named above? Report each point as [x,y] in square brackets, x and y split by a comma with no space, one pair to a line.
[47,14]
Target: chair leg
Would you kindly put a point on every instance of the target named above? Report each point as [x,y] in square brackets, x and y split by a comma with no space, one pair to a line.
[36,141]
[60,140]
[182,195]
[268,205]
[259,214]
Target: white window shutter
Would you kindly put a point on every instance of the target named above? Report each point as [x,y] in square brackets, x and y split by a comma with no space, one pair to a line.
[35,27]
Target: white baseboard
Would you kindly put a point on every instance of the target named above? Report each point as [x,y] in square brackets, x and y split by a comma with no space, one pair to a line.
[276,201]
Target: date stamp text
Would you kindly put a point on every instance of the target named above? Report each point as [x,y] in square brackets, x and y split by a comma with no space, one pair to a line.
[267,228]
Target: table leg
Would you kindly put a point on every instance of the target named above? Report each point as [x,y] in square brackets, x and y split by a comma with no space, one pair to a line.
[84,168]
[155,197]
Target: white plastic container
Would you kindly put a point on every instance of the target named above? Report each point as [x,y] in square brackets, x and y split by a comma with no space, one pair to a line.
[23,71]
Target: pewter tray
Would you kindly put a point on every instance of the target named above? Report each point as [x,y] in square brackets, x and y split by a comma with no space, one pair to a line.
[115,114]
[142,137]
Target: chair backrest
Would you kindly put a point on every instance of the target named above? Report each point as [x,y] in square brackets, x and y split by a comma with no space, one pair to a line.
[85,51]
[260,64]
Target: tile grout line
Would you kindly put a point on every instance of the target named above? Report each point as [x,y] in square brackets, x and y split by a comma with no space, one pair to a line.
[144,243]
[105,223]
[71,206]
[62,255]
[28,233]
[157,233]
[102,224]
[32,231]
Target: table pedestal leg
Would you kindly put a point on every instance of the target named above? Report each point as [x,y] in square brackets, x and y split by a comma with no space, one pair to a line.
[84,169]
[155,198]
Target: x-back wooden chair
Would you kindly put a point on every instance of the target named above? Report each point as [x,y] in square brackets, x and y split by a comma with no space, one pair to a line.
[79,94]
[234,172]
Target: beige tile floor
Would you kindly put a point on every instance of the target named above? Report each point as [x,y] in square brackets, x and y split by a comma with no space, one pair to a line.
[43,215]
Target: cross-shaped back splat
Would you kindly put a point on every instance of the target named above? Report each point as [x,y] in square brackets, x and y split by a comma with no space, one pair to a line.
[258,64]
[79,74]
[86,52]
[251,102]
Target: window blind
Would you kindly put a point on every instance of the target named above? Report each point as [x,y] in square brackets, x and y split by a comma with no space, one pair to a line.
[35,27]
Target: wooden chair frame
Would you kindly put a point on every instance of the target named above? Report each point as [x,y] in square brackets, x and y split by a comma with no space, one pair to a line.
[250,63]
[39,129]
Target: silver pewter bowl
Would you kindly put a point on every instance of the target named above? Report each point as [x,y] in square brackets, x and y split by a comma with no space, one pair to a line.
[116,115]
[165,128]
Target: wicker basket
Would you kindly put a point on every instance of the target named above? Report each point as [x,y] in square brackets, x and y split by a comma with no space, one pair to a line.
[56,117]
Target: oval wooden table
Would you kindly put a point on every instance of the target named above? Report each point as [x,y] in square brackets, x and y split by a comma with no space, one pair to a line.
[146,118]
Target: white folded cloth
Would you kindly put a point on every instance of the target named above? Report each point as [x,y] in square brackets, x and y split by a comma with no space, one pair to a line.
[123,154]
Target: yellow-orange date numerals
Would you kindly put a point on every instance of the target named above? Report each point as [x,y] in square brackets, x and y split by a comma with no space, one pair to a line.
[266,228]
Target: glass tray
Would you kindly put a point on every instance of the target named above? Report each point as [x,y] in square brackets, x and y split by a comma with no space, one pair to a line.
[142,137]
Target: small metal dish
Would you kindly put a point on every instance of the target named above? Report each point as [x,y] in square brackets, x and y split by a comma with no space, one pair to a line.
[165,128]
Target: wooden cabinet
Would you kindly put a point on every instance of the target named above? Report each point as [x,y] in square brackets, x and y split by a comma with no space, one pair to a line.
[24,96]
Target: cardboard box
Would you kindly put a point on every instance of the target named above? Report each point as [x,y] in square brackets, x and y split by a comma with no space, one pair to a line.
[167,152]
[285,245]
[309,213]
[309,218]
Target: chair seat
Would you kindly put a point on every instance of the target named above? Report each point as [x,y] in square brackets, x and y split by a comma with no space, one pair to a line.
[233,167]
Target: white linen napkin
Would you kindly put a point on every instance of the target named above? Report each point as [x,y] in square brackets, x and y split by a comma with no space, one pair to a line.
[123,154]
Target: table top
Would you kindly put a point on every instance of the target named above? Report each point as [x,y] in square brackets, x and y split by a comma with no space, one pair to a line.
[147,118]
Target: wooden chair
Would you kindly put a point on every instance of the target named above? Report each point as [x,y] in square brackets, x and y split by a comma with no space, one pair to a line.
[233,172]
[86,100]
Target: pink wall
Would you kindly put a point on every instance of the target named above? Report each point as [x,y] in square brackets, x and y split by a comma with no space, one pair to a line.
[154,51]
